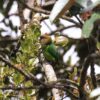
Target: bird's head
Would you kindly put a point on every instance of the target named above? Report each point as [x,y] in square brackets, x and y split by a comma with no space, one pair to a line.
[45,39]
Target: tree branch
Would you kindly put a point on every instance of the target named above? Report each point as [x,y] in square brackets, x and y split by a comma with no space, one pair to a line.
[87,62]
[35,9]
[51,76]
[93,75]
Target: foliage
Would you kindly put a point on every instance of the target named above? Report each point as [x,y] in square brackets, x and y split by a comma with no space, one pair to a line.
[25,58]
[87,30]
[29,45]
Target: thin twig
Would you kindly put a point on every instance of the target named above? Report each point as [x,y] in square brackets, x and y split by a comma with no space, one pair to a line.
[79,20]
[62,28]
[87,62]
[35,9]
[20,88]
[93,75]
[72,21]
[82,94]
[68,81]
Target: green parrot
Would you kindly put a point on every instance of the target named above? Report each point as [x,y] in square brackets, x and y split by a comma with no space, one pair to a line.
[49,49]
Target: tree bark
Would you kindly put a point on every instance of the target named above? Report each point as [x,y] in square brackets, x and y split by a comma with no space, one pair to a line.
[51,77]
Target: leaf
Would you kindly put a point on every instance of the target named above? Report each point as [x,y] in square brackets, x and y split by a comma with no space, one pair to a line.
[36,30]
[17,78]
[59,8]
[88,25]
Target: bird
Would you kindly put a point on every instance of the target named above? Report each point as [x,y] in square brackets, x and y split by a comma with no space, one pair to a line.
[49,49]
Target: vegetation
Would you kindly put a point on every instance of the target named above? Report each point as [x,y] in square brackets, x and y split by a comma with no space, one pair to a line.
[31,64]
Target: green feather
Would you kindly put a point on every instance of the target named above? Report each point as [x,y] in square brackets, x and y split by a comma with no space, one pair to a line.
[51,53]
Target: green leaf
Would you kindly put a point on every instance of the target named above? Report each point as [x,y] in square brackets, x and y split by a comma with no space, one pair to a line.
[88,25]
[18,78]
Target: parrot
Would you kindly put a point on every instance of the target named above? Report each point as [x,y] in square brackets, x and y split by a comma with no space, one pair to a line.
[49,49]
